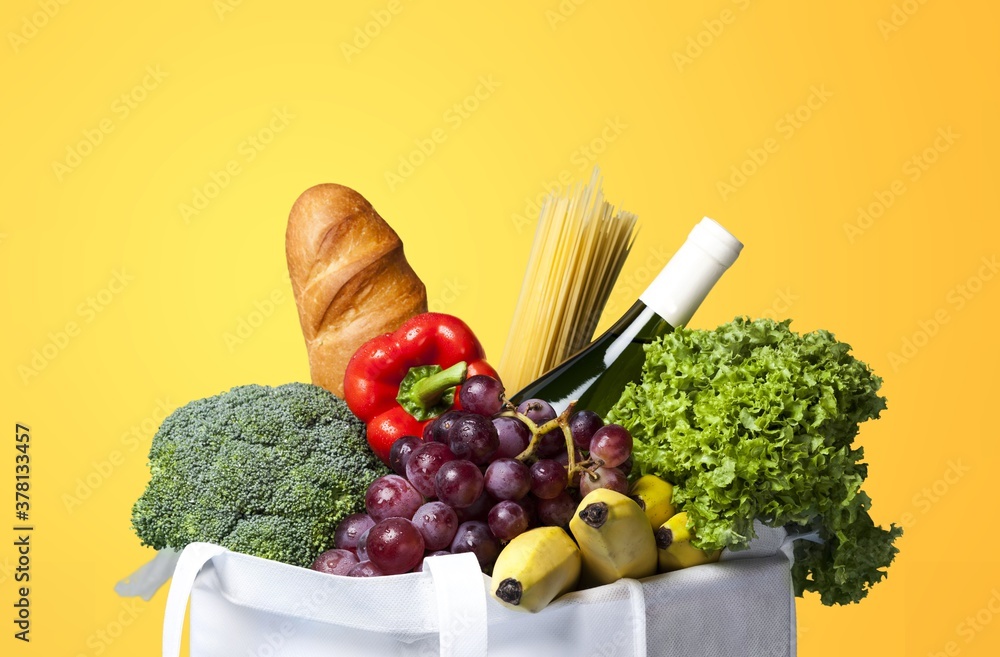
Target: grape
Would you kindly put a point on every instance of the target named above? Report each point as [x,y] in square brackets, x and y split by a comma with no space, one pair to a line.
[507,519]
[574,478]
[563,459]
[513,436]
[400,452]
[548,478]
[626,467]
[391,496]
[335,562]
[423,465]
[437,523]
[362,549]
[350,530]
[430,553]
[507,479]
[557,511]
[583,425]
[612,444]
[611,478]
[537,410]
[458,483]
[365,569]
[475,438]
[395,546]
[436,553]
[530,505]
[478,509]
[440,427]
[540,412]
[481,394]
[475,536]
[551,444]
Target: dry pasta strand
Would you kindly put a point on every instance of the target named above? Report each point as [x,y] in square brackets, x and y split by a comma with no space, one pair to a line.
[579,248]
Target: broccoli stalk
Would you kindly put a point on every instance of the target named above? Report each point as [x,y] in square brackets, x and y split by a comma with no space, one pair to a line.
[259,470]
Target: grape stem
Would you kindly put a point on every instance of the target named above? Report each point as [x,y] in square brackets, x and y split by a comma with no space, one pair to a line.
[589,466]
[538,430]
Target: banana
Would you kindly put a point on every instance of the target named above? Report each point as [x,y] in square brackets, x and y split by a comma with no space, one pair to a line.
[615,538]
[673,543]
[535,568]
[653,495]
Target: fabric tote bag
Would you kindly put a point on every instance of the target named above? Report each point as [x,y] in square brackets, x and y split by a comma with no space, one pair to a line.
[244,606]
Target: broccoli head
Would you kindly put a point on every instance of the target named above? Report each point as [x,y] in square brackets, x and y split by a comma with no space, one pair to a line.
[259,470]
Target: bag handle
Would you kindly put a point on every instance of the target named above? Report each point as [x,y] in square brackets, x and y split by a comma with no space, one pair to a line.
[458,586]
[461,602]
[148,579]
[637,598]
[193,558]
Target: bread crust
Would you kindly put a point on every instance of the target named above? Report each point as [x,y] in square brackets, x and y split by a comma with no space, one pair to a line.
[349,275]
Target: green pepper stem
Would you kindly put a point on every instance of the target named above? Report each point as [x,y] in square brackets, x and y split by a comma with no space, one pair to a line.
[428,391]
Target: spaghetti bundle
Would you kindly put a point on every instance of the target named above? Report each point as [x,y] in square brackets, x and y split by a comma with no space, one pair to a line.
[578,251]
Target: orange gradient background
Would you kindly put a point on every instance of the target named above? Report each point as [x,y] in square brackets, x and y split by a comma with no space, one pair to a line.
[784,121]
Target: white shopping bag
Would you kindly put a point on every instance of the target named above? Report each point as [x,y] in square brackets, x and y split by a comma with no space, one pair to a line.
[243,606]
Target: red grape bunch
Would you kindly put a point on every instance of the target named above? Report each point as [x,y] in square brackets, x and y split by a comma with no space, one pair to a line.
[477,478]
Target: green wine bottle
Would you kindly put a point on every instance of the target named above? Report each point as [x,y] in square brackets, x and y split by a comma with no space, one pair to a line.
[597,374]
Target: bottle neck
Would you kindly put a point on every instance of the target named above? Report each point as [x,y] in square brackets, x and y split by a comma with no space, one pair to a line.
[679,289]
[642,323]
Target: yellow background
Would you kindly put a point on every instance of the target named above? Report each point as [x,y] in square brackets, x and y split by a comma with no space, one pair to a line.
[668,97]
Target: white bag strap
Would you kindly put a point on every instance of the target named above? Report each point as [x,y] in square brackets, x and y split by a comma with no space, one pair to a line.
[193,558]
[461,602]
[637,597]
[148,579]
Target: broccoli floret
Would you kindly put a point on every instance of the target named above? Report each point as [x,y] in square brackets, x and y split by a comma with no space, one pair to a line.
[273,537]
[259,470]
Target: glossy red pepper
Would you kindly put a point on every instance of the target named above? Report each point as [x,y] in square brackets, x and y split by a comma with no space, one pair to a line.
[398,382]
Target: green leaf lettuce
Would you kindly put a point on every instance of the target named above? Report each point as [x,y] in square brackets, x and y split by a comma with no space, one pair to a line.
[752,420]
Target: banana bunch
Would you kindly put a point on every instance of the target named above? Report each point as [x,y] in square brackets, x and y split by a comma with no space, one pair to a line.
[615,536]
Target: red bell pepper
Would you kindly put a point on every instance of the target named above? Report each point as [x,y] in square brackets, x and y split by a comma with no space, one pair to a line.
[398,382]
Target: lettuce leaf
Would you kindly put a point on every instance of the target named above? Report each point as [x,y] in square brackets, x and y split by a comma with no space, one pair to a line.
[752,420]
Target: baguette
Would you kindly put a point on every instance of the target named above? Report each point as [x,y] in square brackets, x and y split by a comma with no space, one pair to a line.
[349,276]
